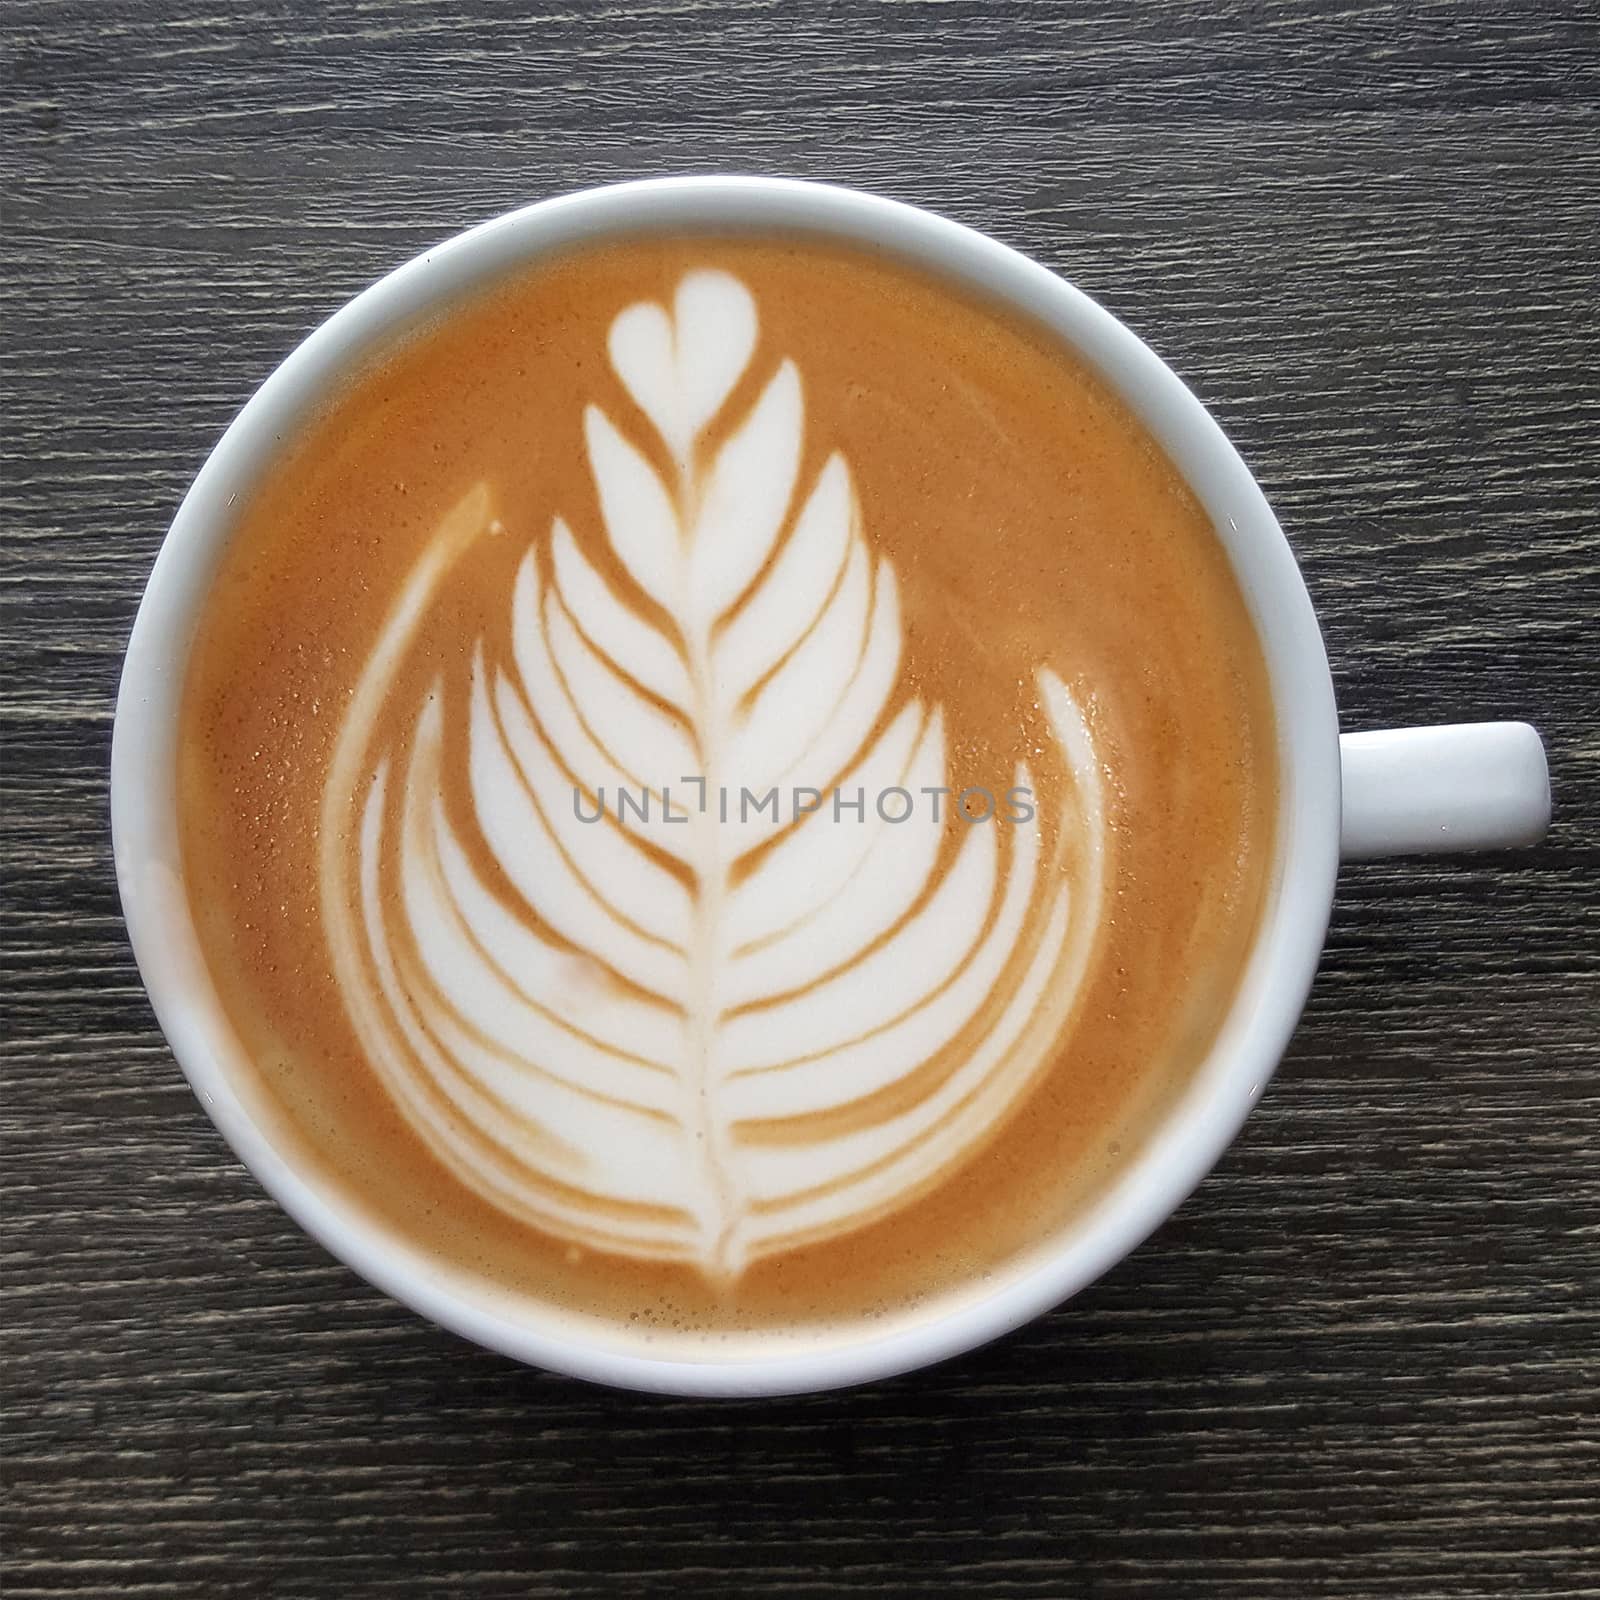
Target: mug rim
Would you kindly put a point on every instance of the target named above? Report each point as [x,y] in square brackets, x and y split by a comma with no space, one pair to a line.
[1193,1132]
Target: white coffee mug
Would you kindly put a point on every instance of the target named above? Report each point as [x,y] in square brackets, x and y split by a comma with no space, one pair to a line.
[1419,789]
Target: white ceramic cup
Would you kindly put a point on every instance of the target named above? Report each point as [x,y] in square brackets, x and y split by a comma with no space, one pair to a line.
[1405,790]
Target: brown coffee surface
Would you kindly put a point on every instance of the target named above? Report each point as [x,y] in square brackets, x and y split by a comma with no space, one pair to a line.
[1031,524]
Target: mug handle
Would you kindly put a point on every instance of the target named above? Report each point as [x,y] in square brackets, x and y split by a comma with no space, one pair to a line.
[1467,786]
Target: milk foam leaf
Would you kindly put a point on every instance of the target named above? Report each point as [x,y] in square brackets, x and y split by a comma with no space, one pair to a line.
[634,647]
[635,1011]
[809,566]
[744,497]
[637,510]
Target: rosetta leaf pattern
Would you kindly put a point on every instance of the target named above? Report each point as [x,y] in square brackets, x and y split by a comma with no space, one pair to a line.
[685,1035]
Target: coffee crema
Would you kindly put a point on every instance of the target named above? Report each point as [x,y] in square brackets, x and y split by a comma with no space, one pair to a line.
[732,784]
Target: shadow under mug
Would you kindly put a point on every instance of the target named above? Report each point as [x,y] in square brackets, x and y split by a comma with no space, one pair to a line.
[1427,789]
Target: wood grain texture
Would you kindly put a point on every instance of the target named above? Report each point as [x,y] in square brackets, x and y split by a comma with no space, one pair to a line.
[1362,1360]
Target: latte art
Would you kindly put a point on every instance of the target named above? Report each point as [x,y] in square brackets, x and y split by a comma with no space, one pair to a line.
[667,1031]
[726,786]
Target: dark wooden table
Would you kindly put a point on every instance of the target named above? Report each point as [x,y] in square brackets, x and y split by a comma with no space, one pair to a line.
[1362,1360]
